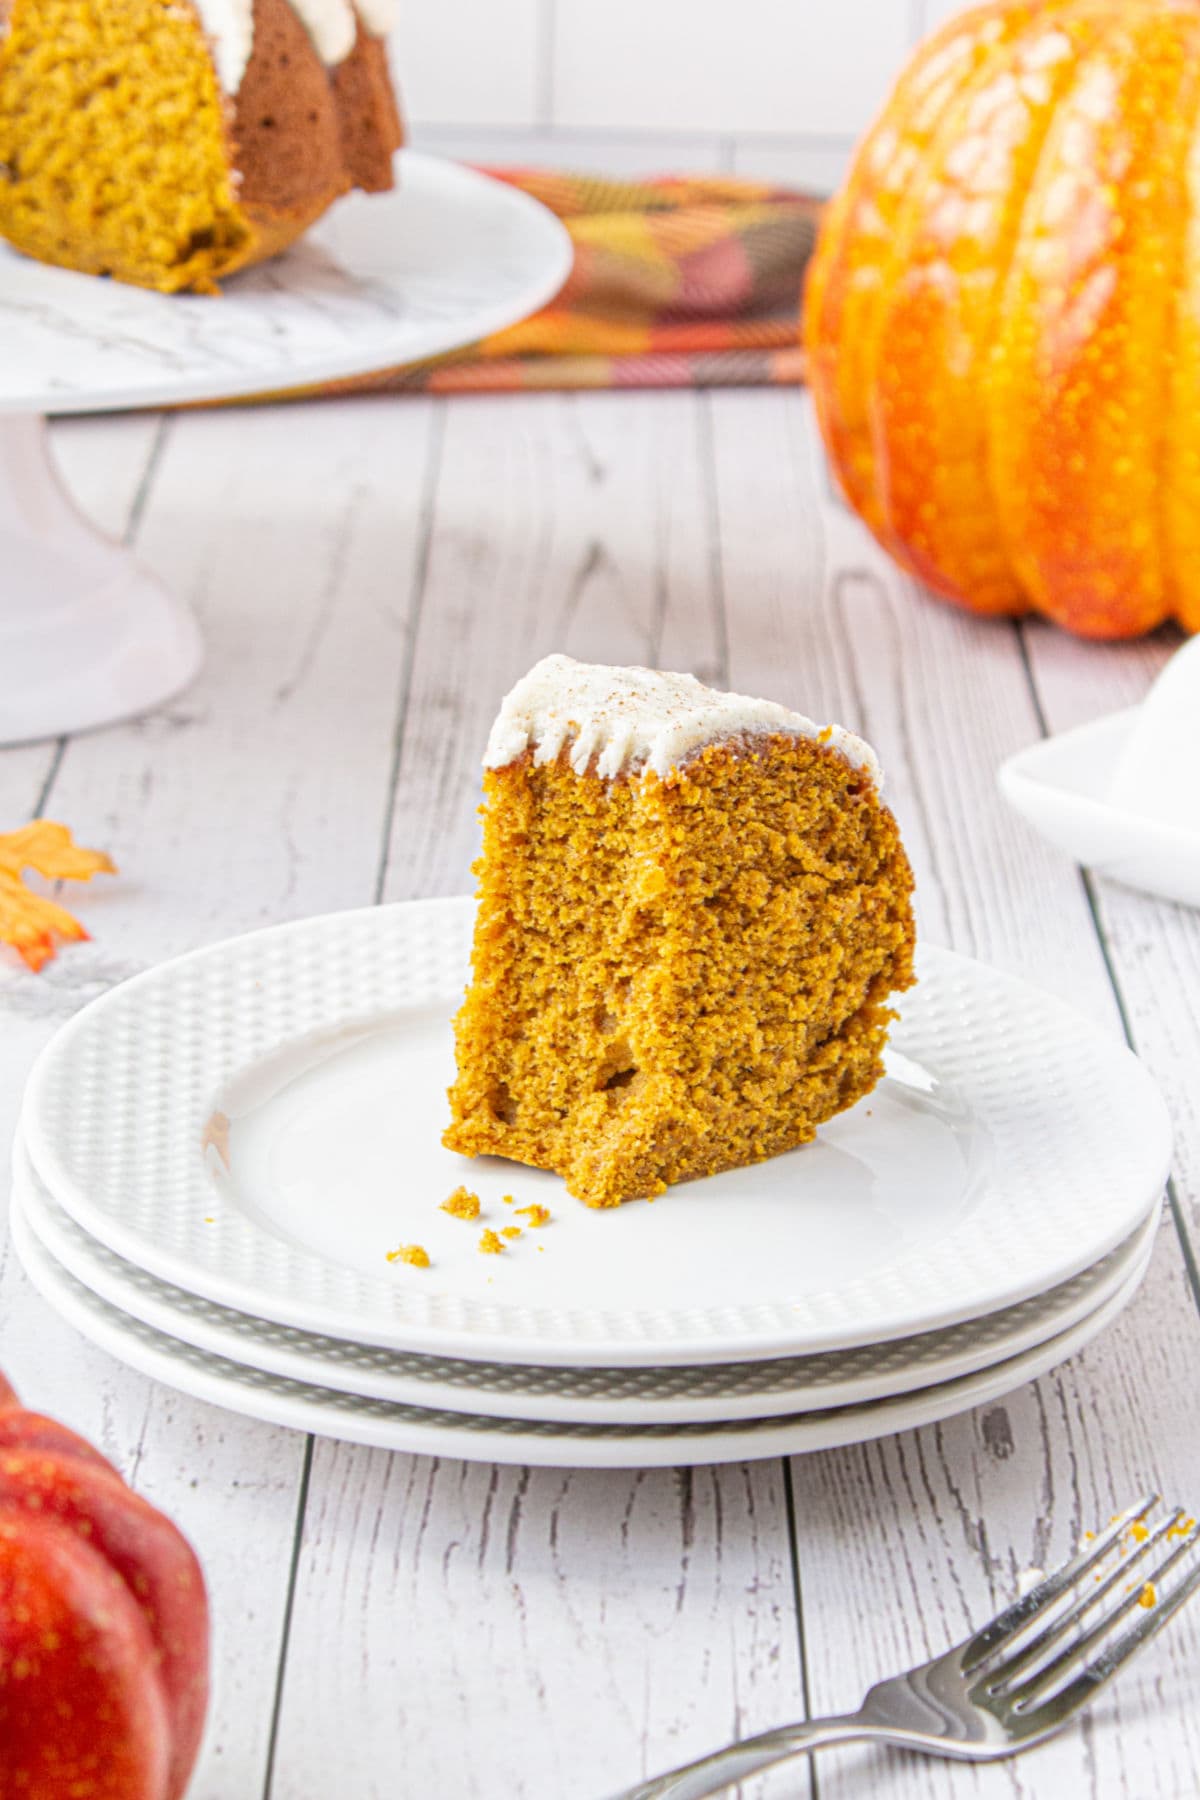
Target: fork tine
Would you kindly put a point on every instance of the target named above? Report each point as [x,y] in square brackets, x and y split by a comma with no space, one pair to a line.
[1026,1694]
[1004,1673]
[1087,1684]
[984,1645]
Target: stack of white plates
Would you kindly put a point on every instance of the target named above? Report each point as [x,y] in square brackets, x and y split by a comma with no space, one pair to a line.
[215,1159]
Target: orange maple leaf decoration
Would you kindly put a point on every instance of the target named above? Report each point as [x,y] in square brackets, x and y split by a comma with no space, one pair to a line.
[29,922]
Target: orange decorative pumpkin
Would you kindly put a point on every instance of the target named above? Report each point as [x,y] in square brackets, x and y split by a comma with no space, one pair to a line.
[1003,315]
[103,1626]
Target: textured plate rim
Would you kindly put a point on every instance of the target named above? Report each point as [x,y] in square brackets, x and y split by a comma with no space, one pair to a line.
[470,1438]
[150,1302]
[489,1330]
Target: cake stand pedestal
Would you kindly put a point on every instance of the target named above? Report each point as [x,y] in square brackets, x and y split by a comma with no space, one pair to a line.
[87,636]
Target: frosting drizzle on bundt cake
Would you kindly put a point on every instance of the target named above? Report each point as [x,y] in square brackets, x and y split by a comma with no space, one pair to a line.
[180,140]
[331,24]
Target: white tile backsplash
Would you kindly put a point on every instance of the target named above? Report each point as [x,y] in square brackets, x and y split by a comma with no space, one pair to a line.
[471,62]
[771,88]
[760,65]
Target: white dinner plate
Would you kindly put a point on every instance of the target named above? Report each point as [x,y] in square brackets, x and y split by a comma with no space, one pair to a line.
[448,257]
[1061,786]
[714,1391]
[332,1413]
[260,1122]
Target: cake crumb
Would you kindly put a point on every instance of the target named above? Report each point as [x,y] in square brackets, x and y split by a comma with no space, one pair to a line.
[1148,1596]
[511,1231]
[490,1244]
[508,1200]
[414,1254]
[1139,1532]
[537,1215]
[1181,1528]
[462,1204]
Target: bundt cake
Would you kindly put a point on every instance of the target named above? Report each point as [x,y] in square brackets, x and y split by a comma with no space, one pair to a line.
[692,910]
[170,142]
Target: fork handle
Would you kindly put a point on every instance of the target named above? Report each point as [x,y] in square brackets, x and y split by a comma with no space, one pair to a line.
[712,1774]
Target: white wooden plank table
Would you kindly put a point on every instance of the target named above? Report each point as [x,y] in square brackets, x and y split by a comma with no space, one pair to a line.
[371,575]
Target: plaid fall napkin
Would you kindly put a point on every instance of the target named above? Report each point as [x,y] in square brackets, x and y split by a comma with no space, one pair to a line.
[676,283]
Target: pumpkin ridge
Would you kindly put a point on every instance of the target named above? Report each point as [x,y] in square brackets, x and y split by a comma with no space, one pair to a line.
[1171,176]
[123,1527]
[915,392]
[104,1624]
[82,1708]
[1069,377]
[35,1432]
[893,261]
[1182,598]
[129,1536]
[1097,15]
[838,275]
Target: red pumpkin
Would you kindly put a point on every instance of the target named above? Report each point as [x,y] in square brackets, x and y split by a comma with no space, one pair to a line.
[1003,314]
[103,1626]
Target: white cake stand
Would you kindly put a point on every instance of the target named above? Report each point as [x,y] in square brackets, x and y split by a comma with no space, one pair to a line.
[88,637]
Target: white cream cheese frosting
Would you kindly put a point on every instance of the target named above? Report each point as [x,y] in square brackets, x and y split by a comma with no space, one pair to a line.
[640,719]
[331,25]
[379,16]
[229,25]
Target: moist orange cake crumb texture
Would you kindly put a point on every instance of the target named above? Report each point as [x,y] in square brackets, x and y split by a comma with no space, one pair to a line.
[490,1244]
[684,950]
[510,1231]
[415,1254]
[535,1215]
[461,1204]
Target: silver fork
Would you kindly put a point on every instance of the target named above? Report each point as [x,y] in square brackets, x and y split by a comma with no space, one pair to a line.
[1007,1686]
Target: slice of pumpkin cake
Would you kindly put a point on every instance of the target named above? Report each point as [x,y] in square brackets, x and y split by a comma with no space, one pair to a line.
[692,910]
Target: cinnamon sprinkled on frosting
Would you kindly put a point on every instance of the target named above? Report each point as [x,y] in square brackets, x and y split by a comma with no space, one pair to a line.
[631,720]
